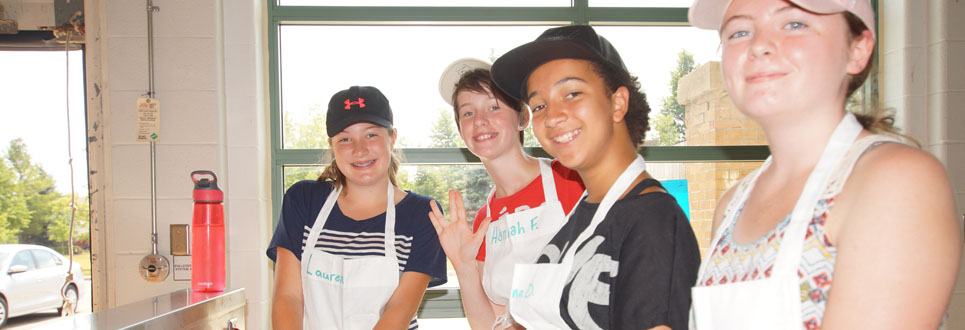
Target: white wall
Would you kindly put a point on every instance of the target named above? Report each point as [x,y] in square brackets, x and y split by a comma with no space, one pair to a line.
[210,82]
[922,79]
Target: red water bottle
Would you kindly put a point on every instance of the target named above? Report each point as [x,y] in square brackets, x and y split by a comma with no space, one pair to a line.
[207,234]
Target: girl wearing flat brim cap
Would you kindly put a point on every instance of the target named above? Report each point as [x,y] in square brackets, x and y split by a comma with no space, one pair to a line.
[844,226]
[352,250]
[626,256]
[527,205]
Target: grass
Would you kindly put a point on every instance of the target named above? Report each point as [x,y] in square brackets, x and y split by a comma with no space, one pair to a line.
[83,259]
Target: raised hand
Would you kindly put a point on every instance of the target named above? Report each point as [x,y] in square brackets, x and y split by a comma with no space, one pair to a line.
[458,241]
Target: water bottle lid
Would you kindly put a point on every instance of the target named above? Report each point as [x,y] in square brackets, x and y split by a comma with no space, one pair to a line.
[206,190]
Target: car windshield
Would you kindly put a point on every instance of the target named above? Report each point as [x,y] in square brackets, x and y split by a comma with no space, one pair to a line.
[3,257]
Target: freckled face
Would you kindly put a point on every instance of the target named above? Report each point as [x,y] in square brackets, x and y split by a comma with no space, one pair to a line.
[362,153]
[573,117]
[778,56]
[488,126]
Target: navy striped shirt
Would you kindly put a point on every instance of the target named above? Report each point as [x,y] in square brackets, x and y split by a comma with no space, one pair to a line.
[416,244]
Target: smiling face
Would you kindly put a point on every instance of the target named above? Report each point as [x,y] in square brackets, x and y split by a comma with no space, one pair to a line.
[363,153]
[778,57]
[488,126]
[574,118]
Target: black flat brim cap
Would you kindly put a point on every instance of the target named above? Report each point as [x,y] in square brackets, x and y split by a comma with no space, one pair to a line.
[511,70]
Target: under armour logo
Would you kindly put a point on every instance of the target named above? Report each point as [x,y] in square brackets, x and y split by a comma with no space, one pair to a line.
[349,103]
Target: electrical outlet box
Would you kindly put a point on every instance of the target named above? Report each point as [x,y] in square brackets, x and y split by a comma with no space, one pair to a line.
[180,240]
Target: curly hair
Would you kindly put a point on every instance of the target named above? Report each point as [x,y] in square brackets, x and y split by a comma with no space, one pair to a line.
[638,110]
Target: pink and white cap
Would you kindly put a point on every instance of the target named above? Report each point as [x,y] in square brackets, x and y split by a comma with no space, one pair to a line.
[709,14]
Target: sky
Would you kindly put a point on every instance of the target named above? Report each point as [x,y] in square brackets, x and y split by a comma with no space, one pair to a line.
[33,107]
[405,62]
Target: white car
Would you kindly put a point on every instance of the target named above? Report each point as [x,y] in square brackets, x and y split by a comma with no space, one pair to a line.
[31,280]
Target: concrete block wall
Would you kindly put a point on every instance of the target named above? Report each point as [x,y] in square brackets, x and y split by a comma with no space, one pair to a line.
[209,64]
[925,86]
[927,39]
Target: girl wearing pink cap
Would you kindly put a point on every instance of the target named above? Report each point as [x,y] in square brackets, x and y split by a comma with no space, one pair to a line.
[843,227]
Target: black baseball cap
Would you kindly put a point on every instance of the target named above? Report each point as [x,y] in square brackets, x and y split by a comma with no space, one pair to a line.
[511,70]
[357,104]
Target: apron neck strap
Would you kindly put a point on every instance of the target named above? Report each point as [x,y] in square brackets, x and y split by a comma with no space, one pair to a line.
[841,140]
[549,184]
[613,194]
[390,220]
[315,232]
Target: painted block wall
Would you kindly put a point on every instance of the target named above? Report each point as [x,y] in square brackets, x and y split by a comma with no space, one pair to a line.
[210,82]
[922,81]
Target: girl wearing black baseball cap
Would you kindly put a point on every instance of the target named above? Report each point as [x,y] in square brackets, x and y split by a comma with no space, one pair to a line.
[528,203]
[842,227]
[352,250]
[626,257]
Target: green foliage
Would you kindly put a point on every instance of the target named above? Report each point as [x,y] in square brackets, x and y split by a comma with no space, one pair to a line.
[14,214]
[445,134]
[529,139]
[670,123]
[59,230]
[309,134]
[31,210]
[436,180]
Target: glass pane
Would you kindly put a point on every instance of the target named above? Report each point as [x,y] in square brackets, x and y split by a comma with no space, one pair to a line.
[641,3]
[430,3]
[404,62]
[702,185]
[44,259]
[23,258]
[431,180]
[681,49]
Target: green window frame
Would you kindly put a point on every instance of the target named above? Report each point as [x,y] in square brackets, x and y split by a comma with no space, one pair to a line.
[445,302]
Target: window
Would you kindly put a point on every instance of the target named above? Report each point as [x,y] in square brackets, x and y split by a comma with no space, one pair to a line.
[317,47]
[44,259]
[23,258]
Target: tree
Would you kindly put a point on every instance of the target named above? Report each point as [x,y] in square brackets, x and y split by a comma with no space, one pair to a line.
[59,230]
[670,123]
[305,134]
[444,134]
[38,190]
[309,134]
[14,214]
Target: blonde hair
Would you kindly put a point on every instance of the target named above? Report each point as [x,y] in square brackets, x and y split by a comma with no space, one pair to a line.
[333,174]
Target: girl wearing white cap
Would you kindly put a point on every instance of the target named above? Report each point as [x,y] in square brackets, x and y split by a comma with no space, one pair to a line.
[842,227]
[352,250]
[527,205]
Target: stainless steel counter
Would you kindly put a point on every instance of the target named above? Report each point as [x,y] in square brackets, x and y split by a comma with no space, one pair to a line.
[182,309]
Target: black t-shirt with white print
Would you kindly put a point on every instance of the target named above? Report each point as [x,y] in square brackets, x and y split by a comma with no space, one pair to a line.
[635,271]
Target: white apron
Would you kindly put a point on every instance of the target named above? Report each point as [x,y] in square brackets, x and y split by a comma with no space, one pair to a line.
[519,238]
[773,302]
[347,294]
[538,288]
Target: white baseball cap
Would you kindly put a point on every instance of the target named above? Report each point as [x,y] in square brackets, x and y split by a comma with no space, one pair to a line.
[452,74]
[709,14]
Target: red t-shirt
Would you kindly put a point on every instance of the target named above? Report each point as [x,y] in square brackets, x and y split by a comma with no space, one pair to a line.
[569,188]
